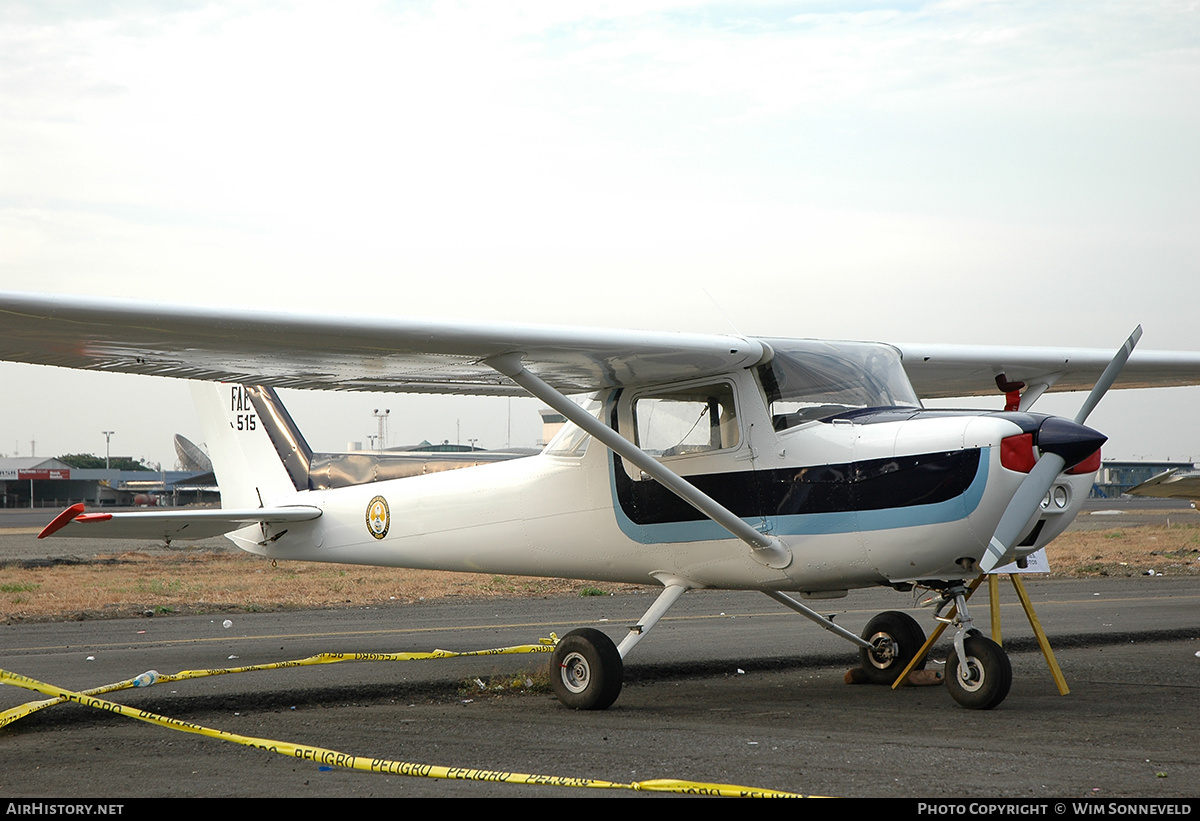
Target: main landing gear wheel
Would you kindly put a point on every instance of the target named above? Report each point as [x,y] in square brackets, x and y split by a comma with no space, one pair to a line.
[586,670]
[895,637]
[988,674]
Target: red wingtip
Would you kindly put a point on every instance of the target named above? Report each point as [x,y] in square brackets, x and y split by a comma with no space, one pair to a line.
[61,520]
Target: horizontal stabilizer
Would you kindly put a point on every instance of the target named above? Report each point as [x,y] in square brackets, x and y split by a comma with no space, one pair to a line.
[170,524]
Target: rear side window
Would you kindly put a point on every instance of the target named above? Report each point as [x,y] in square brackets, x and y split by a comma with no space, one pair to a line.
[687,420]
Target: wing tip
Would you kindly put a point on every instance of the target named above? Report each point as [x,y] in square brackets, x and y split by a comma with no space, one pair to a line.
[62,520]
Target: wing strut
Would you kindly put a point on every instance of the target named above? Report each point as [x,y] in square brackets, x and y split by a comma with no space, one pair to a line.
[765,549]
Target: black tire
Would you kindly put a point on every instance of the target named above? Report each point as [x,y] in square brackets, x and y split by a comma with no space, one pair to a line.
[990,674]
[586,671]
[896,637]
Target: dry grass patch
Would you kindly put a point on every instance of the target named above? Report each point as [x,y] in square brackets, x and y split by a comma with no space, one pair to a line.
[1170,551]
[137,583]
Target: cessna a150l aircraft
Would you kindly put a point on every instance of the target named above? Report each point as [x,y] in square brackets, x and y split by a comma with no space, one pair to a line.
[790,467]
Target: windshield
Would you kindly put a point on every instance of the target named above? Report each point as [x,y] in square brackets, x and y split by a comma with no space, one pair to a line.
[572,440]
[809,380]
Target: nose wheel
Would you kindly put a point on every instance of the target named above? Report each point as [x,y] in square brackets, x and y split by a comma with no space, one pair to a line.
[978,672]
[980,677]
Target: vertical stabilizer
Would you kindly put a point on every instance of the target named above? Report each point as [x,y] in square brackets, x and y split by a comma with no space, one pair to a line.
[247,463]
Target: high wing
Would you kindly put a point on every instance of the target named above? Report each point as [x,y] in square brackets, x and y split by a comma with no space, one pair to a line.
[946,371]
[355,353]
[170,525]
[379,353]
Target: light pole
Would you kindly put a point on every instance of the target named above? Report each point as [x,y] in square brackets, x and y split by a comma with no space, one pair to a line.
[381,418]
[107,438]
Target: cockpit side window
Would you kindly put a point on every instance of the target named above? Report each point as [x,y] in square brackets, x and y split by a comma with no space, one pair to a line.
[807,381]
[684,421]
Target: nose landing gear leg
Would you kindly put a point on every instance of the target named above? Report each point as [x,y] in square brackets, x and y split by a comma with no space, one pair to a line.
[978,672]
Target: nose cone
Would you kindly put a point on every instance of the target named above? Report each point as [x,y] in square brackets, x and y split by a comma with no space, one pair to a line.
[1070,440]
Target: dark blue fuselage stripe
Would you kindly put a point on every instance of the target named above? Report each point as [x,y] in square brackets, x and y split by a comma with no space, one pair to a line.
[958,506]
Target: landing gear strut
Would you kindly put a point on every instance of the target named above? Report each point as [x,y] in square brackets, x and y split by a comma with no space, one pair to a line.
[978,672]
[587,669]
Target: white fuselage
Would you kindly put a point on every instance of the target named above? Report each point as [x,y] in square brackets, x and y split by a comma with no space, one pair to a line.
[856,504]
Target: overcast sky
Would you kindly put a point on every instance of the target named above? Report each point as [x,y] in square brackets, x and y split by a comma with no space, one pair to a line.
[984,172]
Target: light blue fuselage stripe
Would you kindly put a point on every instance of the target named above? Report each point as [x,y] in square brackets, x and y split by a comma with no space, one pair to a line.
[809,524]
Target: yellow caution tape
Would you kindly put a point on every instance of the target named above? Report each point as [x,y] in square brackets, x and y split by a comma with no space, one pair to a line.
[14,713]
[380,765]
[543,646]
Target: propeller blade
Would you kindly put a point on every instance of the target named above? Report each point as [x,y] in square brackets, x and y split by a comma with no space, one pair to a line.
[1020,510]
[1067,441]
[1109,376]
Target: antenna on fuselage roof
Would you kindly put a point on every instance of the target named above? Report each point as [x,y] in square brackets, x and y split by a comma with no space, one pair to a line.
[722,310]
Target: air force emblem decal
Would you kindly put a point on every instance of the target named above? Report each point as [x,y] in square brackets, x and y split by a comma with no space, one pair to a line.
[378,518]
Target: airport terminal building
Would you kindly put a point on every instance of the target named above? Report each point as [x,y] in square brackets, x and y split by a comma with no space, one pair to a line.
[36,482]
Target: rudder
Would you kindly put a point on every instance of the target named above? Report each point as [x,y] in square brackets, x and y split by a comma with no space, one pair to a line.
[257,452]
